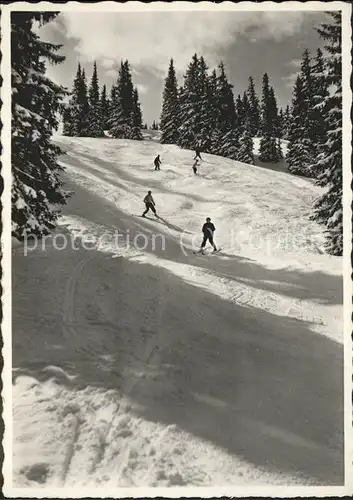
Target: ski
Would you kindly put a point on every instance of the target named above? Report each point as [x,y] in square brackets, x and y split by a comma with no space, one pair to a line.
[208,253]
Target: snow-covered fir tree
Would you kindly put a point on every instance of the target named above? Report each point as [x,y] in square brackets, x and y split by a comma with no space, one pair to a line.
[71,113]
[84,105]
[301,148]
[240,115]
[308,92]
[230,144]
[254,109]
[196,126]
[246,145]
[78,107]
[320,93]
[169,121]
[228,135]
[137,113]
[279,149]
[36,102]
[309,123]
[67,121]
[95,126]
[328,208]
[287,116]
[125,91]
[215,113]
[121,109]
[206,120]
[105,107]
[273,108]
[299,154]
[281,123]
[117,126]
[268,150]
[246,111]
[188,113]
[136,118]
[125,118]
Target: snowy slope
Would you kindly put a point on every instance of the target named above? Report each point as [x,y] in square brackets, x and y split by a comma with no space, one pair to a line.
[259,214]
[155,367]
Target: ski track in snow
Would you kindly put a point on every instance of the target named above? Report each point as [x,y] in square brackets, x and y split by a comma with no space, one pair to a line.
[120,339]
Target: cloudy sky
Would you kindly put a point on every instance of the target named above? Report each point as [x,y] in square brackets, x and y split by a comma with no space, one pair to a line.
[249,43]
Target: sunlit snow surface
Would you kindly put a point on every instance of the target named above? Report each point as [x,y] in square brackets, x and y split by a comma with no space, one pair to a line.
[156,367]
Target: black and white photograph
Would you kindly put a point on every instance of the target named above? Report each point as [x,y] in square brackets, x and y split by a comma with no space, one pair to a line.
[176,238]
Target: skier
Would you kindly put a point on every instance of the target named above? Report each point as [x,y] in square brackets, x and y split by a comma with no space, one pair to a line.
[197,154]
[150,204]
[208,230]
[157,163]
[194,167]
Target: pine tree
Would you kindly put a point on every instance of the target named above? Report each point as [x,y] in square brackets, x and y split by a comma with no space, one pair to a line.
[83,106]
[95,119]
[215,113]
[230,144]
[301,148]
[240,115]
[137,114]
[268,150]
[319,95]
[94,88]
[308,92]
[125,90]
[136,118]
[125,119]
[246,145]
[116,123]
[274,114]
[281,123]
[71,117]
[279,151]
[169,122]
[36,102]
[119,123]
[254,109]
[328,208]
[225,135]
[105,107]
[188,103]
[67,121]
[227,110]
[287,117]
[246,111]
[205,120]
[299,154]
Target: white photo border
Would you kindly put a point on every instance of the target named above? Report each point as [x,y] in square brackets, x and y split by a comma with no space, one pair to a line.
[177,492]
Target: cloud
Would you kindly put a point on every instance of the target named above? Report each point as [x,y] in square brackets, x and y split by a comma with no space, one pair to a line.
[289,80]
[108,62]
[142,89]
[295,63]
[149,39]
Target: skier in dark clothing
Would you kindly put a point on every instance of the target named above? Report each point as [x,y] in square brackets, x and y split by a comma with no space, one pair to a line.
[194,167]
[208,230]
[150,204]
[197,154]
[157,163]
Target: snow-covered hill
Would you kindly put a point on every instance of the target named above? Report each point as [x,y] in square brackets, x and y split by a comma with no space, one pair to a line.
[155,367]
